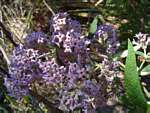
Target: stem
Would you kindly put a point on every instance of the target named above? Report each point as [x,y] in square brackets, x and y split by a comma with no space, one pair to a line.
[8,34]
[121,64]
[3,110]
[143,60]
[51,10]
[142,65]
[43,55]
[50,105]
[98,2]
[4,54]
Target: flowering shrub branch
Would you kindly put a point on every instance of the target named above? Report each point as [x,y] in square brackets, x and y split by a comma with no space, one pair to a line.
[72,70]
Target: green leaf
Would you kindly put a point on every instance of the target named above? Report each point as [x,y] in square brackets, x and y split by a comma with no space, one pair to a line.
[146,92]
[139,53]
[13,103]
[26,99]
[125,53]
[148,108]
[93,25]
[3,110]
[132,83]
[145,70]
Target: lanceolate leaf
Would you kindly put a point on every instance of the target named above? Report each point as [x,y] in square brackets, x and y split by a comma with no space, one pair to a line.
[125,53]
[132,83]
[93,25]
[3,110]
[145,70]
[148,108]
[139,53]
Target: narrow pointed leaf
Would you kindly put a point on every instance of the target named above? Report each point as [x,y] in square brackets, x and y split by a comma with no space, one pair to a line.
[93,25]
[145,70]
[132,83]
[148,108]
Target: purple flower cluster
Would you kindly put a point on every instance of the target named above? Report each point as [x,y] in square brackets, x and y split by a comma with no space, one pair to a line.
[84,94]
[25,64]
[23,71]
[66,32]
[72,84]
[109,69]
[106,34]
[28,68]
[67,35]
[38,41]
[36,38]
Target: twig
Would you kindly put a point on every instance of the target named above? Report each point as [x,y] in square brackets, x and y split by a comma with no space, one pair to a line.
[4,54]
[1,19]
[10,12]
[99,54]
[50,105]
[51,10]
[3,71]
[43,55]
[8,34]
[98,2]
[121,64]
